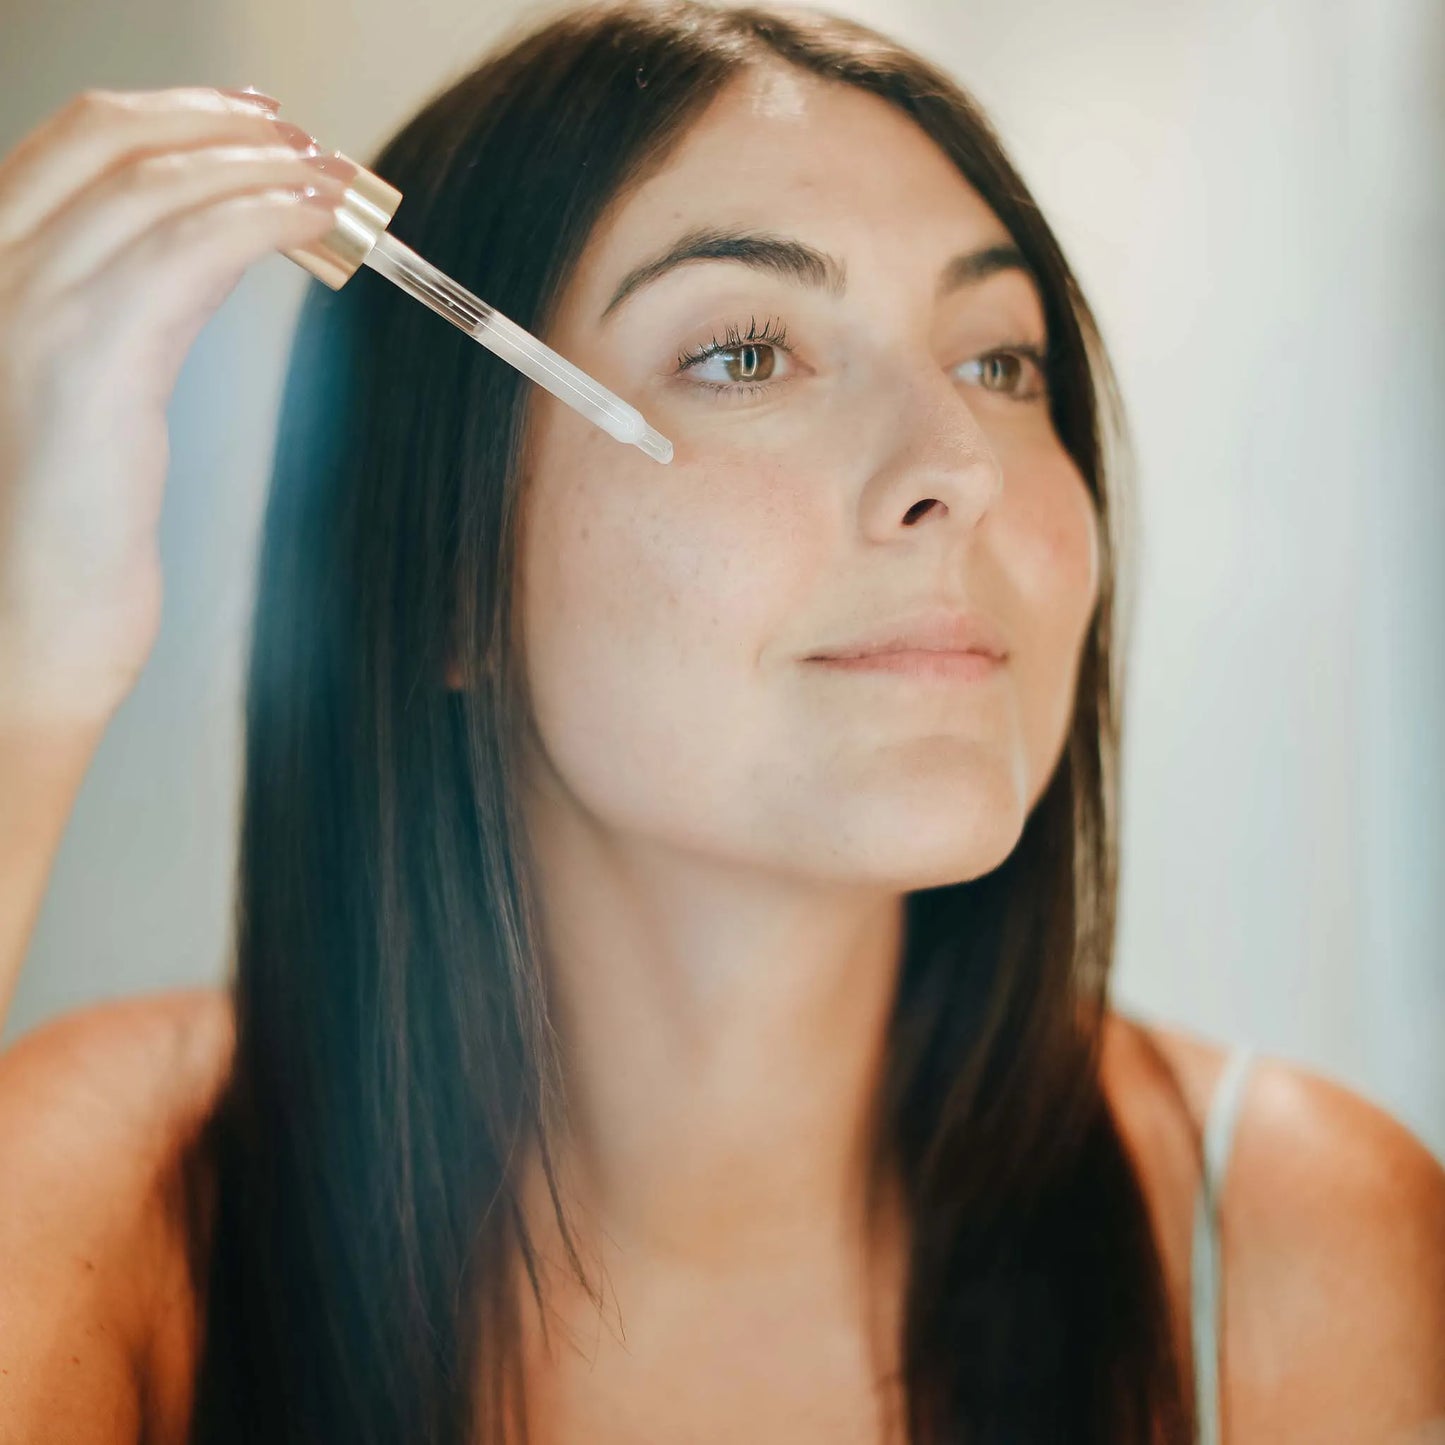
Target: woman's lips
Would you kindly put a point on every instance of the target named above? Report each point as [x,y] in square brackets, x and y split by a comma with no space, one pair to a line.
[913,662]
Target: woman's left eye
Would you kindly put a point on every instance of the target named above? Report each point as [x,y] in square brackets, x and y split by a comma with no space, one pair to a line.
[1023,376]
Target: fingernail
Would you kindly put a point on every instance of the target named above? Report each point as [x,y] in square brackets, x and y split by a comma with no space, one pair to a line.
[294,135]
[253,97]
[323,198]
[336,165]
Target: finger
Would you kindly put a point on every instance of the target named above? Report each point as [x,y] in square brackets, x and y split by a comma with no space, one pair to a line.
[164,286]
[114,212]
[98,129]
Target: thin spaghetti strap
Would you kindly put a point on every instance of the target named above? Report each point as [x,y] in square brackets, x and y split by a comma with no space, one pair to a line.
[1207,1281]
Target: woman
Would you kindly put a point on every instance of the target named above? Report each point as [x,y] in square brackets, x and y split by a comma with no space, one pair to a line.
[643,1028]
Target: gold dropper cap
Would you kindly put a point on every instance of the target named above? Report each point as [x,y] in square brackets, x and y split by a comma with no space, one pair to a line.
[364,213]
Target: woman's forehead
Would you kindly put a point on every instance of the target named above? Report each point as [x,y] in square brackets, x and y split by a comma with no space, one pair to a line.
[785,152]
[820,140]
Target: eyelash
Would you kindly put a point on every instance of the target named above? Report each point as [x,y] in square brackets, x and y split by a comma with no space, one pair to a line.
[733,340]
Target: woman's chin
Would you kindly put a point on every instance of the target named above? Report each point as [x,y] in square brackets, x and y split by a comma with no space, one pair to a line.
[929,851]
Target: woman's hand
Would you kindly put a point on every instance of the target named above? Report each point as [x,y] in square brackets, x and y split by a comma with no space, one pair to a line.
[126,218]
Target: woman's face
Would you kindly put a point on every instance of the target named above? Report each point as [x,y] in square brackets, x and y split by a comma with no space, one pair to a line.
[894,453]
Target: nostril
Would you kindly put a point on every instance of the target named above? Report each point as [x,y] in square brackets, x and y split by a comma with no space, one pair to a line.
[918,509]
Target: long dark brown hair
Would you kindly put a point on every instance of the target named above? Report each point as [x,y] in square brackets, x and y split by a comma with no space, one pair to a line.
[393,1043]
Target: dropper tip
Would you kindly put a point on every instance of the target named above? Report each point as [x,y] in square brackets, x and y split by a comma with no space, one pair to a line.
[655,445]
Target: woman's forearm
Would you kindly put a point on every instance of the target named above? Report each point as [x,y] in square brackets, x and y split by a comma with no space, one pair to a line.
[41,770]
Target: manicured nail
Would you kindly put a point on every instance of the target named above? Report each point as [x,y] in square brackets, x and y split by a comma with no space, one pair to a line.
[335,165]
[294,135]
[252,96]
[322,196]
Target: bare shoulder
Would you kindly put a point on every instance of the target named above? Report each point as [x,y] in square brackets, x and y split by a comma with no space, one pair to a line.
[1333,1234]
[97,1111]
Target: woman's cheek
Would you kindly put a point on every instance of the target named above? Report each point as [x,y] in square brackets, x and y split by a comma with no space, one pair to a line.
[1047,538]
[733,532]
[1056,540]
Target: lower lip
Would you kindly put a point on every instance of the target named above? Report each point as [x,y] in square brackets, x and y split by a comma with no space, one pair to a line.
[960,666]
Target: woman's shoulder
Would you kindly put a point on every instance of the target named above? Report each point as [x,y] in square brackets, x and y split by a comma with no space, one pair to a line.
[1332,1225]
[98,1108]
[1295,1125]
[118,1082]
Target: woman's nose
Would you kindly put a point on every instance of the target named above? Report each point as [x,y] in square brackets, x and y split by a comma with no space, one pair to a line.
[931,448]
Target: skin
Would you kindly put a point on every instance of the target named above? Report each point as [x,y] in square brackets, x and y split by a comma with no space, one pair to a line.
[725,830]
[724,838]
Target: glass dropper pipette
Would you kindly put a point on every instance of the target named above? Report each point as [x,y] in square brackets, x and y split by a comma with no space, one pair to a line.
[359,237]
[418,277]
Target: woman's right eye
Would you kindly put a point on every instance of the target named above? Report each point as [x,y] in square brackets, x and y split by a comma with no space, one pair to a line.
[743,364]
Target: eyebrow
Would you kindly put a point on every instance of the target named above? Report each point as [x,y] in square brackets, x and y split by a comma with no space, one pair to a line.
[804,265]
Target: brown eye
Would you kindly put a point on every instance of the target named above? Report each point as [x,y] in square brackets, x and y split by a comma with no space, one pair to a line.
[721,367]
[740,364]
[1016,373]
[1001,371]
[754,363]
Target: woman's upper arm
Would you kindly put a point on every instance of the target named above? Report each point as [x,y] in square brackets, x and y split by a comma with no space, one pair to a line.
[89,1105]
[1334,1239]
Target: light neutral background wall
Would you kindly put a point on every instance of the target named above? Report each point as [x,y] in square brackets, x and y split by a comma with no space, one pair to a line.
[1251,191]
